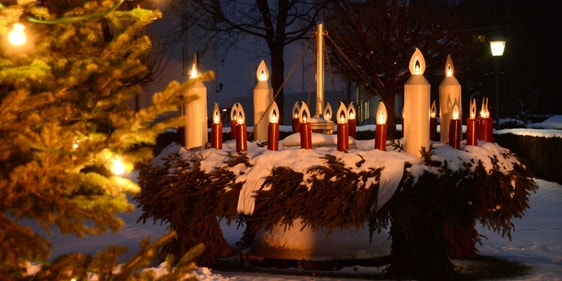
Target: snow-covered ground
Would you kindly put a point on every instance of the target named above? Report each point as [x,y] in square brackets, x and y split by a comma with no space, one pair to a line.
[536,242]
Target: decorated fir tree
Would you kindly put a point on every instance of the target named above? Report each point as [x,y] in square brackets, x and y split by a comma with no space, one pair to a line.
[65,121]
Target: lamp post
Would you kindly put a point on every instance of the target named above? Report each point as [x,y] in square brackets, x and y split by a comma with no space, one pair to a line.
[497,46]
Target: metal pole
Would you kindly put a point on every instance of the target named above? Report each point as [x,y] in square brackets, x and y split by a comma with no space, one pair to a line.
[497,103]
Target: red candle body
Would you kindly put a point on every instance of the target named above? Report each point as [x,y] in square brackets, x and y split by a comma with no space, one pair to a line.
[296,125]
[352,127]
[273,136]
[455,133]
[241,138]
[233,129]
[433,129]
[343,137]
[216,135]
[181,135]
[306,135]
[380,137]
[486,129]
[471,132]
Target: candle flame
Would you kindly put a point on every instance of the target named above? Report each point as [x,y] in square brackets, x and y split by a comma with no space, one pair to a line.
[381,114]
[328,111]
[194,72]
[455,115]
[262,73]
[342,113]
[351,111]
[484,113]
[417,63]
[472,108]
[449,67]
[433,109]
[241,115]
[304,112]
[296,109]
[216,114]
[274,112]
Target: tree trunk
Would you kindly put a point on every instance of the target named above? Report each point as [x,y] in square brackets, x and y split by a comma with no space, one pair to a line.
[278,76]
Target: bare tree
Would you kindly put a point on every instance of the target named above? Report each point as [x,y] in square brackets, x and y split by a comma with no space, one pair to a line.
[372,42]
[278,22]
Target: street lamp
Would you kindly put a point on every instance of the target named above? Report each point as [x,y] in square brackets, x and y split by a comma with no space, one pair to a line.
[497,46]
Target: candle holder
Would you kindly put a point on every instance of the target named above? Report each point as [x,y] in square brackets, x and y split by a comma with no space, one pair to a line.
[343,128]
[380,129]
[305,129]
[273,128]
[241,131]
[352,120]
[216,128]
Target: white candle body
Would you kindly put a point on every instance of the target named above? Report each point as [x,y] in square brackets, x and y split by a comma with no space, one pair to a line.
[416,116]
[449,90]
[263,97]
[196,117]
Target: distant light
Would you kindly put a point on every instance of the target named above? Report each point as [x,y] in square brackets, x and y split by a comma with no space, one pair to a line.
[497,47]
[17,36]
[117,166]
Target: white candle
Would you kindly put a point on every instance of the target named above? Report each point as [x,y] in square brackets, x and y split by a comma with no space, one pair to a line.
[416,104]
[263,97]
[449,91]
[196,112]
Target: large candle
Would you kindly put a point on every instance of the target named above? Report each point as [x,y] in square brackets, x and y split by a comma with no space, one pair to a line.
[263,97]
[449,91]
[352,120]
[343,128]
[485,126]
[273,128]
[241,131]
[295,115]
[433,122]
[196,112]
[472,125]
[416,103]
[305,129]
[380,129]
[216,128]
[233,123]
[455,127]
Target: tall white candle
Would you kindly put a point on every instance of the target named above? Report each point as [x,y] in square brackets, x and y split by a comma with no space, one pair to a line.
[449,91]
[196,112]
[416,104]
[263,98]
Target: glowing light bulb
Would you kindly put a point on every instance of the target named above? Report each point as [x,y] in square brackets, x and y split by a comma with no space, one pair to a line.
[117,166]
[17,36]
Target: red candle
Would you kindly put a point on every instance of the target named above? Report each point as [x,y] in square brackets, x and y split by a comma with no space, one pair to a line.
[216,135]
[433,129]
[352,120]
[273,129]
[380,137]
[296,124]
[241,138]
[343,137]
[471,131]
[296,121]
[455,133]
[306,135]
[380,129]
[485,129]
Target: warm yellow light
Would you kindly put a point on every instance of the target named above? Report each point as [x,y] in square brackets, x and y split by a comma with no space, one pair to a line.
[351,111]
[262,73]
[241,115]
[233,112]
[381,114]
[417,63]
[296,110]
[484,113]
[472,108]
[449,67]
[497,47]
[194,73]
[117,166]
[433,110]
[17,36]
[342,114]
[274,113]
[216,114]
[328,112]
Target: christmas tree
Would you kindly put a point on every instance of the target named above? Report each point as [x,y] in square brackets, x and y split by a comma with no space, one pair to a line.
[65,120]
